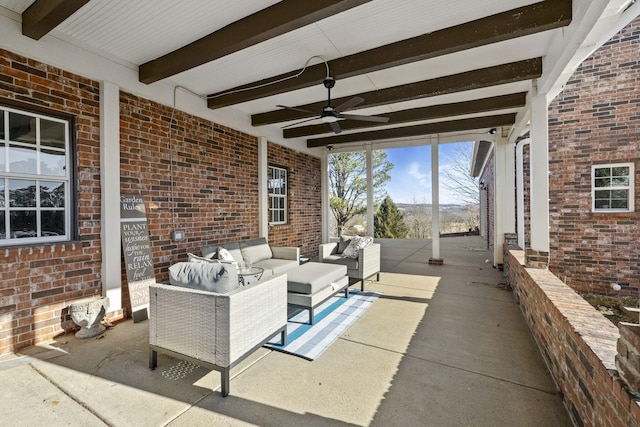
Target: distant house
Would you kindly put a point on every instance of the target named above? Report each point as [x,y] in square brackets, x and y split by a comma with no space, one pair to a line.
[594,157]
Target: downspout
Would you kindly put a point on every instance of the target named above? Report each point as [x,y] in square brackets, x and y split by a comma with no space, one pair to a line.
[520,190]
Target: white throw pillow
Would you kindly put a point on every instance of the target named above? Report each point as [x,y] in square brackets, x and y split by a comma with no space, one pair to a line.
[196,258]
[357,243]
[224,254]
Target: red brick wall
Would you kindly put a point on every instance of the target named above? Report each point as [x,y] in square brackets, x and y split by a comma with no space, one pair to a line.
[38,282]
[595,120]
[304,227]
[526,169]
[215,178]
[198,177]
[577,343]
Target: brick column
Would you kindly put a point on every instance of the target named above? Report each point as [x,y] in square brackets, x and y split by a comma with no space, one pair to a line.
[628,357]
[511,239]
[536,259]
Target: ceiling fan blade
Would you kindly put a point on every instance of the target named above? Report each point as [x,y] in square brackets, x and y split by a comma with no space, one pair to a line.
[297,123]
[377,119]
[296,109]
[356,100]
[335,127]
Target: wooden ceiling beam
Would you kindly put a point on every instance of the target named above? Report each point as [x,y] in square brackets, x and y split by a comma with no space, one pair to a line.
[44,15]
[494,103]
[508,25]
[417,130]
[282,17]
[475,79]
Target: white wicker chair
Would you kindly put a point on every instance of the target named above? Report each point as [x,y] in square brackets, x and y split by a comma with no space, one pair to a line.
[213,330]
[366,265]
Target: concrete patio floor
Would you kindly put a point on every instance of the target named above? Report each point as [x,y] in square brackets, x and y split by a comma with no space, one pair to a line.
[445,346]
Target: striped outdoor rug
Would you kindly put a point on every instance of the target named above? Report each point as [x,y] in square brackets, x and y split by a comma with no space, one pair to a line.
[332,318]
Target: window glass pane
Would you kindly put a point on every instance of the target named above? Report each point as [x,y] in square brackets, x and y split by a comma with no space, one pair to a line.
[3,154]
[619,194]
[52,223]
[620,171]
[602,204]
[22,224]
[22,193]
[1,124]
[621,181]
[600,172]
[619,204]
[52,134]
[2,202]
[22,128]
[22,160]
[51,194]
[603,182]
[52,163]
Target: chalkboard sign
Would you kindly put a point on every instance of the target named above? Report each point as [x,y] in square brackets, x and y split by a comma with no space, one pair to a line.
[137,253]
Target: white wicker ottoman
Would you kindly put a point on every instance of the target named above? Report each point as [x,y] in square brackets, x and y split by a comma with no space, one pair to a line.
[311,284]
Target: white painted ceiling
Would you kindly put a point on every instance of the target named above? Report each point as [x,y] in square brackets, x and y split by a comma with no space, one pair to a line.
[132,32]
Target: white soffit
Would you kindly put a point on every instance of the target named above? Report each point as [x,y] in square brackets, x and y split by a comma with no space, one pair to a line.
[141,30]
[17,6]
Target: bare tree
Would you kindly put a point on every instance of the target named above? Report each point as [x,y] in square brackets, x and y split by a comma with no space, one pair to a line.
[348,183]
[457,175]
[418,220]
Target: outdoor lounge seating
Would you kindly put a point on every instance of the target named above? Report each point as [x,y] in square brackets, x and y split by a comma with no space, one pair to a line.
[273,259]
[206,318]
[313,283]
[361,262]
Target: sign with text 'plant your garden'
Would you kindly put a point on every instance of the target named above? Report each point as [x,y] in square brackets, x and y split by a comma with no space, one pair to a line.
[137,253]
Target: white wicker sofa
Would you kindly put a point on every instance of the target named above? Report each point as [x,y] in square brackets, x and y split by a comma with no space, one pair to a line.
[258,252]
[364,263]
[205,317]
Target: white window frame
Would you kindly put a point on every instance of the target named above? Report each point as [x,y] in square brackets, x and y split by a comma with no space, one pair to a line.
[630,188]
[6,175]
[278,189]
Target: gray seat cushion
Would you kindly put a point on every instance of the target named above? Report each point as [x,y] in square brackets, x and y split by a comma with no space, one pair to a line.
[255,250]
[351,263]
[277,266]
[312,276]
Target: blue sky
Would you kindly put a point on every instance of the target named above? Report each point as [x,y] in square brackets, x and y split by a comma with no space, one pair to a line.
[411,173]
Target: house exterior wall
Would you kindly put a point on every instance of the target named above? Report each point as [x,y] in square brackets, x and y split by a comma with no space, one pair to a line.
[38,281]
[304,227]
[487,200]
[595,120]
[526,169]
[197,176]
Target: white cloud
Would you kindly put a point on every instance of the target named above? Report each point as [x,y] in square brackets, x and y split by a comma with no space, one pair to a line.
[423,179]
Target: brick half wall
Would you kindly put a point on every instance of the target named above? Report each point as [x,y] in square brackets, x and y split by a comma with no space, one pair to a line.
[577,343]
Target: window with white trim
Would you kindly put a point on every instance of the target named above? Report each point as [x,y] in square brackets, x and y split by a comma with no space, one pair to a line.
[35,178]
[277,187]
[612,187]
